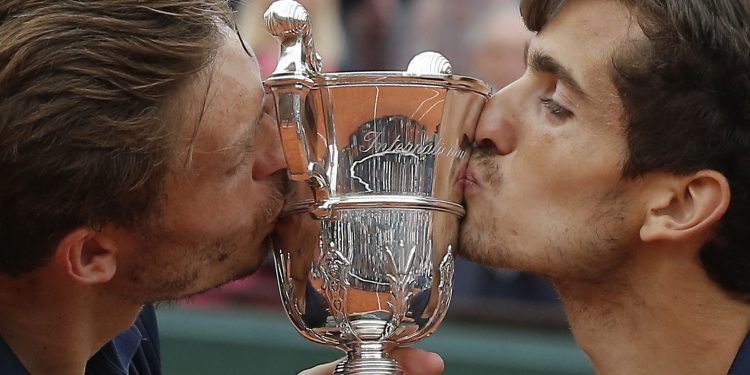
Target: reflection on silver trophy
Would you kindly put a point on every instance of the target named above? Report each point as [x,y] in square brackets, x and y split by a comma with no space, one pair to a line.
[364,252]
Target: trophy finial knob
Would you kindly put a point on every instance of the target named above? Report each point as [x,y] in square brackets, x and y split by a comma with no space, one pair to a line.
[289,22]
[287,18]
[429,63]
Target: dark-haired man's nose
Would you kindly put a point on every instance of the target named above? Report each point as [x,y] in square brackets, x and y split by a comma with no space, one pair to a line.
[496,131]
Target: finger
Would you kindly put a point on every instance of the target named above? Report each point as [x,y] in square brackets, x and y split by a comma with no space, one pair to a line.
[419,362]
[325,369]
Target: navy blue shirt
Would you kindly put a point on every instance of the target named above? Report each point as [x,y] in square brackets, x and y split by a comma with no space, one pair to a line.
[133,352]
[741,365]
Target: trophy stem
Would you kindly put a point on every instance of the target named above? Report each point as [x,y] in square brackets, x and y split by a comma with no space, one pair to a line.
[368,358]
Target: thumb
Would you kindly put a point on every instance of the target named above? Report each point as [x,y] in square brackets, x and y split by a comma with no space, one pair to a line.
[324,369]
[418,362]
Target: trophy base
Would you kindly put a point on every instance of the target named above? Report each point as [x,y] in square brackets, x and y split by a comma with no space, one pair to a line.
[368,358]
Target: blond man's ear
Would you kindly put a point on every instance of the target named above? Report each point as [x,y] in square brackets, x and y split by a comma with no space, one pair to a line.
[86,256]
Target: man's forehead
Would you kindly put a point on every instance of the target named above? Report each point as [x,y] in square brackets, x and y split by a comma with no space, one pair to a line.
[220,106]
[584,36]
[603,23]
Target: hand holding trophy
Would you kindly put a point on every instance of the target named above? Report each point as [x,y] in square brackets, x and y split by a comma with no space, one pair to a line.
[364,253]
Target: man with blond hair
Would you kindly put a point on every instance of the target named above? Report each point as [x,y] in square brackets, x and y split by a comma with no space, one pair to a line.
[137,164]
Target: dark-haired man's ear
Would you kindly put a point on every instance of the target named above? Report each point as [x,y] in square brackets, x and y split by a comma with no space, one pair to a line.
[87,256]
[686,207]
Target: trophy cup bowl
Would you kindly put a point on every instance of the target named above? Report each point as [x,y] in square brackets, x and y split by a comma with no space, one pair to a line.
[364,249]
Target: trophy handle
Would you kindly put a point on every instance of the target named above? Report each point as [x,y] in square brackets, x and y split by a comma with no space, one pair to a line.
[447,268]
[287,292]
[290,99]
[289,22]
[298,67]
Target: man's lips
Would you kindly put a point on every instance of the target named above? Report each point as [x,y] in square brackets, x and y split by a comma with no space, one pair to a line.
[466,180]
[470,182]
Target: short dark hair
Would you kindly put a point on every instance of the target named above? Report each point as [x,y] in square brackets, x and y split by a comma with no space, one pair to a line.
[686,95]
[84,137]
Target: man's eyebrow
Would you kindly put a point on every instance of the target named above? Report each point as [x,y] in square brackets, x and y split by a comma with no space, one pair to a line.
[246,141]
[540,62]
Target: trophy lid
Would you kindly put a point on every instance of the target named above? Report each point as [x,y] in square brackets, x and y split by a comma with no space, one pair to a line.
[299,62]
[425,69]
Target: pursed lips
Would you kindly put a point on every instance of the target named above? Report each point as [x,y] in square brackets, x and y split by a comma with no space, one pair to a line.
[466,180]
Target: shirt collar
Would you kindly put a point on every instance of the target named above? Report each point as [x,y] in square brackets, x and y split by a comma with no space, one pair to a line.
[114,358]
[9,363]
[741,364]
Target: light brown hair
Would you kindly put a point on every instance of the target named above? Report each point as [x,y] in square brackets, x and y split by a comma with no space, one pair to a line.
[84,138]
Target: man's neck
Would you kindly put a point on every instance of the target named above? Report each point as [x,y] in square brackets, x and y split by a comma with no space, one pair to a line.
[55,330]
[656,316]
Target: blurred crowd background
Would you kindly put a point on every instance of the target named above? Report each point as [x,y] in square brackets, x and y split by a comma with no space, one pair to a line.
[483,39]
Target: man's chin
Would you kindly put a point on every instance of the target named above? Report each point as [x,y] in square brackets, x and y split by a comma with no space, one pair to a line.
[242,274]
[265,249]
[237,274]
[477,248]
[467,245]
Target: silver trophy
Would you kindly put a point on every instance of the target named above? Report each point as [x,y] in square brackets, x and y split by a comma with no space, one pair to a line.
[364,252]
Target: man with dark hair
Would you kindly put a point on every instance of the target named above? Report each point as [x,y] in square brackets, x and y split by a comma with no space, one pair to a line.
[618,167]
[137,164]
